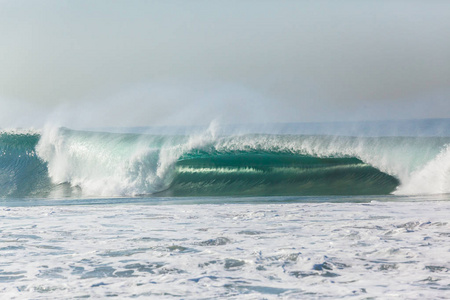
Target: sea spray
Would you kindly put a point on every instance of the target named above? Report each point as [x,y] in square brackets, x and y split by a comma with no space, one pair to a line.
[101,164]
[433,178]
[105,164]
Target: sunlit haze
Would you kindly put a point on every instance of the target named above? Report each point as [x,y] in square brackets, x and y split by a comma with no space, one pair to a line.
[139,63]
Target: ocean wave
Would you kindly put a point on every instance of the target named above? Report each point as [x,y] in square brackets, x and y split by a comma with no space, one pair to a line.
[62,162]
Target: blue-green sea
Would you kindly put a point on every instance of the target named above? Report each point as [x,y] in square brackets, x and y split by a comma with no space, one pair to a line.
[281,211]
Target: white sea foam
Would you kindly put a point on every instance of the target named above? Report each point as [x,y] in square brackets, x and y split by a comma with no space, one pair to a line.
[385,250]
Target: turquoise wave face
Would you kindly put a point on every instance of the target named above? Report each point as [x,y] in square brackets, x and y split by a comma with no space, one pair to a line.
[66,163]
[22,173]
[272,174]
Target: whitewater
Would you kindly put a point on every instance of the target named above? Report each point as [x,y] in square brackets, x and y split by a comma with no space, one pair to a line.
[213,213]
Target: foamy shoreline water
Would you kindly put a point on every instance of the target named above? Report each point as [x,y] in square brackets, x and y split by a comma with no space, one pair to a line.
[383,250]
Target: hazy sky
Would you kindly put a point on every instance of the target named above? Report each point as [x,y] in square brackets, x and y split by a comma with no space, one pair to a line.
[163,62]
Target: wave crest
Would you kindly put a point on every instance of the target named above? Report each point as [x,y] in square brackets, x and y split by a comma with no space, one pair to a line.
[63,162]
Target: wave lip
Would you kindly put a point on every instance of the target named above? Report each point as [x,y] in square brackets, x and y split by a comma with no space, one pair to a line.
[60,162]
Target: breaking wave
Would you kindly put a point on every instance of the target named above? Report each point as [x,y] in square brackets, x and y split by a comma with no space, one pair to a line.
[62,162]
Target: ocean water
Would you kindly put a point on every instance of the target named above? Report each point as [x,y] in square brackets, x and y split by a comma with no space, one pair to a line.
[241,213]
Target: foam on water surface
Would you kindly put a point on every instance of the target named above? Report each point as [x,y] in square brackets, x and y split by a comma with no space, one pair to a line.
[384,250]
